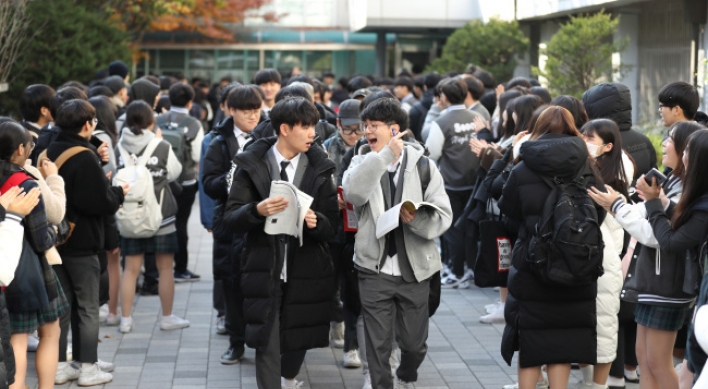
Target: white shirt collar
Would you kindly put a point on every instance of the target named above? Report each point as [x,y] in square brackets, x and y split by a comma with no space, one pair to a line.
[179,110]
[293,163]
[456,107]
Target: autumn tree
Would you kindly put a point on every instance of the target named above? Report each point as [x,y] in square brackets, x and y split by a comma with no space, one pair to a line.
[579,55]
[15,34]
[493,46]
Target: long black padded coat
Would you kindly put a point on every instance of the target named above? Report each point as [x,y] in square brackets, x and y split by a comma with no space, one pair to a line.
[547,324]
[307,294]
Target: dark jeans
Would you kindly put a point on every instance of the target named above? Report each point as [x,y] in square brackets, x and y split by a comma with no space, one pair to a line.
[271,364]
[626,340]
[342,255]
[185,200]
[336,250]
[454,238]
[218,298]
[233,303]
[79,277]
[392,306]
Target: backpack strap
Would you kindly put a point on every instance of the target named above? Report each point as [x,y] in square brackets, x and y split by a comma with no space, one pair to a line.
[149,150]
[15,179]
[66,155]
[423,166]
[125,155]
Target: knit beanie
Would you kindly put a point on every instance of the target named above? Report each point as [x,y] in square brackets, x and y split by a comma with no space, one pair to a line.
[118,68]
[115,83]
[144,90]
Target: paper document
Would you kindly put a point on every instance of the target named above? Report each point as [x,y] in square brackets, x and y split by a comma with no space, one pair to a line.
[292,219]
[351,224]
[390,220]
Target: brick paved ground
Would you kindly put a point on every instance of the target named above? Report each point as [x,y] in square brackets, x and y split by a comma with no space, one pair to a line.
[463,353]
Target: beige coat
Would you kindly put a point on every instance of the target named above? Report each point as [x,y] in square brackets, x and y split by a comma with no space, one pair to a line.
[52,189]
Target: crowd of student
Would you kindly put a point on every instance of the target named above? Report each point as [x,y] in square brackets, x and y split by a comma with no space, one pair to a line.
[556,201]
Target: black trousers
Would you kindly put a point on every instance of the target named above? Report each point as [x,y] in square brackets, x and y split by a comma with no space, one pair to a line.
[79,277]
[185,200]
[454,238]
[218,298]
[233,304]
[626,340]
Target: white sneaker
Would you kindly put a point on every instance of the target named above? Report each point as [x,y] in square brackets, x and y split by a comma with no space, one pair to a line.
[295,384]
[221,325]
[102,313]
[445,271]
[491,308]
[107,367]
[66,372]
[336,334]
[580,385]
[173,322]
[468,276]
[33,342]
[539,385]
[464,284]
[351,359]
[497,317]
[94,376]
[451,282]
[126,324]
[367,381]
[112,320]
[400,384]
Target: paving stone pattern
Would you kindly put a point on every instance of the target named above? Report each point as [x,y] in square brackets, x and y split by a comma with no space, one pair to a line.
[462,352]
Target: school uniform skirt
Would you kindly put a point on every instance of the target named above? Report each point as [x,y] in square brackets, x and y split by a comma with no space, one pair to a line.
[661,317]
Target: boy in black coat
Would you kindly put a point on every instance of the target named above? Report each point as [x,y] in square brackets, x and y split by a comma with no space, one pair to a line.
[287,287]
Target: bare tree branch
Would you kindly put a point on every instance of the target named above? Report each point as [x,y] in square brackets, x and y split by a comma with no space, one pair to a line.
[14,34]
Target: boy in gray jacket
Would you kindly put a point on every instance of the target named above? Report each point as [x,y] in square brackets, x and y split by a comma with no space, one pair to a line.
[394,271]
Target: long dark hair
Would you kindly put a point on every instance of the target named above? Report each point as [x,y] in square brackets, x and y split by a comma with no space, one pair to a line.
[695,183]
[12,135]
[524,108]
[575,106]
[679,132]
[611,165]
[106,115]
[504,99]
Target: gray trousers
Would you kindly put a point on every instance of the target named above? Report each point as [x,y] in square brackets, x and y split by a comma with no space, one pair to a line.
[271,364]
[79,277]
[388,301]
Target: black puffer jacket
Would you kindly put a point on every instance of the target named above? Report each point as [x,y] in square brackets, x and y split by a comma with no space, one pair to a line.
[612,100]
[305,310]
[551,324]
[216,168]
[418,112]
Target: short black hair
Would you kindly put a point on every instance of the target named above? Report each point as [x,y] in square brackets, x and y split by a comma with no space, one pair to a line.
[292,91]
[73,114]
[65,94]
[432,79]
[244,97]
[455,90]
[574,106]
[357,83]
[293,110]
[33,98]
[681,94]
[328,74]
[518,81]
[382,94]
[474,86]
[384,81]
[405,81]
[419,81]
[166,82]
[301,78]
[543,93]
[181,94]
[387,111]
[100,90]
[265,76]
[138,116]
[487,78]
[164,102]
[224,92]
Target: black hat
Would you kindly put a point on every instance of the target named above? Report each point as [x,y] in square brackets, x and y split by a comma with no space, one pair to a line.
[115,83]
[118,68]
[144,90]
[349,112]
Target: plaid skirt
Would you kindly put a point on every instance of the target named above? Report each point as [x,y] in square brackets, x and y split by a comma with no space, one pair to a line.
[158,244]
[661,317]
[28,322]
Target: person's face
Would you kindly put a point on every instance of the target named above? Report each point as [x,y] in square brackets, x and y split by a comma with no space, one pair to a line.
[350,133]
[596,146]
[124,95]
[270,89]
[400,91]
[329,81]
[299,137]
[515,117]
[505,118]
[327,96]
[670,115]
[245,119]
[379,134]
[669,156]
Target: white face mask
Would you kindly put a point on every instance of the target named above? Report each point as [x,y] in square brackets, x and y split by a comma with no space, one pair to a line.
[592,149]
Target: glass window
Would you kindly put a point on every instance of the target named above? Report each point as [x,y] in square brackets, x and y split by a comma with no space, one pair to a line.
[318,62]
[283,61]
[171,59]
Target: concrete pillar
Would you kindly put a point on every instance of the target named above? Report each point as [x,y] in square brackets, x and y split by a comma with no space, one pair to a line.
[628,28]
[380,53]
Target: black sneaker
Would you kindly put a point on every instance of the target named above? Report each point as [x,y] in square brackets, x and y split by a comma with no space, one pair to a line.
[186,276]
[149,289]
[232,356]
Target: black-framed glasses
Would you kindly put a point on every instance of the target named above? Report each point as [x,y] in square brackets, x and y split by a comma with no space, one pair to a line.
[374,127]
[353,130]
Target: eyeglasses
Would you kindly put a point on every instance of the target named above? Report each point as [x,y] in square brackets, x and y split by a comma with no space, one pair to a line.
[251,112]
[373,127]
[352,130]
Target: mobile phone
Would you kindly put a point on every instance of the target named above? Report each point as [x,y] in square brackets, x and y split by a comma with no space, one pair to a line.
[653,173]
[393,131]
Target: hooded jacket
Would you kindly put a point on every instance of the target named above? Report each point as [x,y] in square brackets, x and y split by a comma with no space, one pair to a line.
[551,324]
[362,188]
[164,167]
[307,294]
[612,100]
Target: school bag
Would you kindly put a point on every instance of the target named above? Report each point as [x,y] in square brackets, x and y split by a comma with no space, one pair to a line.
[174,134]
[566,248]
[140,215]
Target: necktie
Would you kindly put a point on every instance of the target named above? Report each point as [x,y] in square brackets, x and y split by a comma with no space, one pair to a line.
[283,174]
[391,237]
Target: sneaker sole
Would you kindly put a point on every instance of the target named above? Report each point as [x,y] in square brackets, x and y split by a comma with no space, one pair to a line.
[95,384]
[174,328]
[181,280]
[229,362]
[352,365]
[221,332]
[62,382]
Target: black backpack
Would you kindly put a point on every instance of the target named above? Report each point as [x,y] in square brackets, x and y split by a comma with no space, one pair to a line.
[567,248]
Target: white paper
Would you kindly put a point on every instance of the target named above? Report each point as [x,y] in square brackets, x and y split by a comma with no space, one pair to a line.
[291,220]
[388,221]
